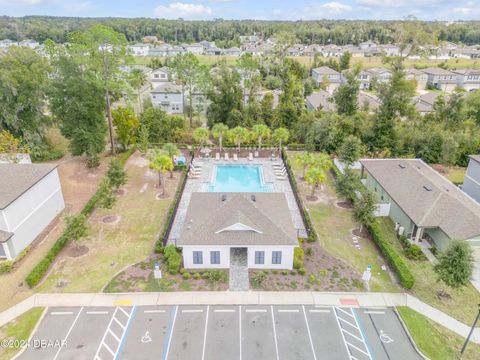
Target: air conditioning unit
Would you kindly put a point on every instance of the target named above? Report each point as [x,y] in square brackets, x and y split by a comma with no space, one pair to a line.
[401,230]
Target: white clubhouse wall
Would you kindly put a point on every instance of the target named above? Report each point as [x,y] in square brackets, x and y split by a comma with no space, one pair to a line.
[287,257]
[32,212]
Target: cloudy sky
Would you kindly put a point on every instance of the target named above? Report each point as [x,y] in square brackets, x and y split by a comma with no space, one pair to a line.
[250,9]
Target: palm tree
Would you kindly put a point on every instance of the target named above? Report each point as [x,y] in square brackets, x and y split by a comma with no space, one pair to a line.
[171,150]
[161,163]
[304,160]
[201,135]
[219,131]
[281,135]
[239,135]
[314,177]
[260,132]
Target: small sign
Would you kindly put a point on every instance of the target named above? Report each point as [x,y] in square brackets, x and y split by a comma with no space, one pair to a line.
[157,274]
[367,275]
[369,267]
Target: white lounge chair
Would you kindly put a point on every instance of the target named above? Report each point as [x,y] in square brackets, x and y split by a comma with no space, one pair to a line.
[250,156]
[281,173]
[217,156]
[193,175]
[256,154]
[235,157]
[226,157]
[278,166]
[280,177]
[197,163]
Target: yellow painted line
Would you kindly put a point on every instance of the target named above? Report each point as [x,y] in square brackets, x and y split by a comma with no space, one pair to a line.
[123,302]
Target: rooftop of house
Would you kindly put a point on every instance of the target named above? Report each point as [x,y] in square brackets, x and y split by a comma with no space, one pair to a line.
[325,70]
[324,99]
[467,72]
[426,197]
[16,179]
[167,88]
[437,71]
[238,219]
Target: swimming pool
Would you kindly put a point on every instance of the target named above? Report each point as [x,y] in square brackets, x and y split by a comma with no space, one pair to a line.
[238,178]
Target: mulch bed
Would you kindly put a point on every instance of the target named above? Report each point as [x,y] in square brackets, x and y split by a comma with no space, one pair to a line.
[363,234]
[345,204]
[111,219]
[323,273]
[75,251]
[311,198]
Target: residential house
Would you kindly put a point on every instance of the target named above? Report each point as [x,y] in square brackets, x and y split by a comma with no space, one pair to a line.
[159,50]
[217,225]
[331,51]
[150,39]
[390,50]
[175,50]
[213,51]
[30,199]
[162,74]
[471,183]
[207,44]
[196,49]
[441,79]
[32,44]
[369,48]
[234,51]
[169,97]
[139,49]
[322,100]
[364,79]
[424,103]
[295,50]
[327,76]
[468,79]
[466,53]
[426,207]
[6,43]
[418,76]
[380,75]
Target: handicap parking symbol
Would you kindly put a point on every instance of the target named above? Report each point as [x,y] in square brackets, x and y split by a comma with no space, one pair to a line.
[385,338]
[146,338]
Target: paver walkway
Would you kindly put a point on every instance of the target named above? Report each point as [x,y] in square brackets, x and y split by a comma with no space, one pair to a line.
[239,269]
[241,298]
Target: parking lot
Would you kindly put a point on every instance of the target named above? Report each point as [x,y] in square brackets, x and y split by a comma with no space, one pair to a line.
[220,332]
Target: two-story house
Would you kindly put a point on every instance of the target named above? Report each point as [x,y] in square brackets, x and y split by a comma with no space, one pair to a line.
[196,49]
[168,97]
[328,77]
[441,79]
[380,75]
[162,74]
[139,49]
[418,76]
[468,79]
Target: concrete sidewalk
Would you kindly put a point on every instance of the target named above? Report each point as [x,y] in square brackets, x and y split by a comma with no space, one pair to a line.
[242,298]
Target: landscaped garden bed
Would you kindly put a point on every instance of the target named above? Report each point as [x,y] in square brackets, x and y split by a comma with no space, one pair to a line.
[140,277]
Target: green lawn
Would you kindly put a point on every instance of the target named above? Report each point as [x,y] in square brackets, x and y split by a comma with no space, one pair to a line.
[333,226]
[461,304]
[435,341]
[19,329]
[111,247]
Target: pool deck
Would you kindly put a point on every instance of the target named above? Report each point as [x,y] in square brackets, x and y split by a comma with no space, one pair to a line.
[200,184]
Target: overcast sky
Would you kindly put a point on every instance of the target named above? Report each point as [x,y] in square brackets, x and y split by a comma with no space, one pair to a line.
[250,9]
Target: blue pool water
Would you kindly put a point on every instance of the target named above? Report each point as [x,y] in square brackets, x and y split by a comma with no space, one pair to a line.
[238,178]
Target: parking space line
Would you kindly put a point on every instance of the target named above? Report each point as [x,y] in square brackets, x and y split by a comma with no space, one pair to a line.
[352,335]
[124,335]
[119,323]
[347,322]
[288,310]
[361,333]
[61,313]
[153,311]
[319,311]
[192,310]
[309,333]
[126,314]
[168,339]
[205,334]
[68,332]
[346,313]
[374,312]
[274,333]
[224,310]
[240,328]
[96,312]
[355,347]
[113,334]
[256,310]
[343,336]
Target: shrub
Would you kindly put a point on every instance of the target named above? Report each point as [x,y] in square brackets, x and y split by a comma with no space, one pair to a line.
[159,247]
[298,257]
[217,276]
[312,279]
[6,266]
[173,259]
[302,271]
[116,174]
[275,272]
[93,161]
[414,252]
[396,262]
[186,275]
[293,272]
[284,272]
[455,264]
[309,251]
[197,276]
[258,279]
[42,153]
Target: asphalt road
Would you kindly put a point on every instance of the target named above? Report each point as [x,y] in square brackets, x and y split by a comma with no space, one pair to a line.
[220,332]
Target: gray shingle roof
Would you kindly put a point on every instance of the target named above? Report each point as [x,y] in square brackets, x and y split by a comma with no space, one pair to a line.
[15,179]
[168,88]
[4,236]
[427,198]
[268,217]
[325,70]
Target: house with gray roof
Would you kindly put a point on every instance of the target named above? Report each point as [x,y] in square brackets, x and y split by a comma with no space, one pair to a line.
[471,183]
[322,100]
[424,205]
[30,199]
[424,103]
[218,224]
[328,76]
[468,79]
[169,97]
[441,79]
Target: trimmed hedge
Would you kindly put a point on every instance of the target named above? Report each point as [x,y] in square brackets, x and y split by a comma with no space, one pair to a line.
[394,260]
[39,271]
[159,246]
[298,256]
[312,234]
[173,259]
